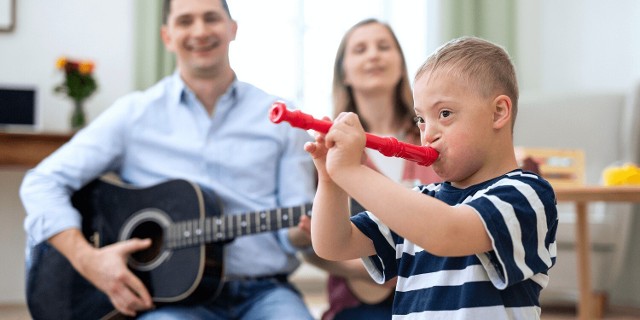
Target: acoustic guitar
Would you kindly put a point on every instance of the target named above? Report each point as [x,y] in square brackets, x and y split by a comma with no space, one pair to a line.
[184,263]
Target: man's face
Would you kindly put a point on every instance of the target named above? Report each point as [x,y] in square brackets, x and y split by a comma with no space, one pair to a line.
[199,33]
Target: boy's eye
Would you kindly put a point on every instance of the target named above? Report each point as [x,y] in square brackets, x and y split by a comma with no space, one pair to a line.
[445,113]
[418,120]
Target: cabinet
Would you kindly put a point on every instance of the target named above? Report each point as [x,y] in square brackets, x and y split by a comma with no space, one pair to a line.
[26,150]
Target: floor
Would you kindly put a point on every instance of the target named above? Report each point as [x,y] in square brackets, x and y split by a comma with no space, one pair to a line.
[19,312]
[315,298]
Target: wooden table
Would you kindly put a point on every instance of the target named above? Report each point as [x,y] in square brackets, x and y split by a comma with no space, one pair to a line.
[26,150]
[582,196]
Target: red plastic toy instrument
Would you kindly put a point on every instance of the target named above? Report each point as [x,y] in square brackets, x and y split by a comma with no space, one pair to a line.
[388,146]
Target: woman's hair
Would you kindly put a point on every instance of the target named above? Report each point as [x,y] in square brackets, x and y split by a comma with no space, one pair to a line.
[343,100]
[485,66]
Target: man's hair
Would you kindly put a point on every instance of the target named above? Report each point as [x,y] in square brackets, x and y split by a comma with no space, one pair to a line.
[343,100]
[484,65]
[166,9]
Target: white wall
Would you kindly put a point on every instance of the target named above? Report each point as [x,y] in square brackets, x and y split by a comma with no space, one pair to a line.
[578,45]
[565,45]
[84,29]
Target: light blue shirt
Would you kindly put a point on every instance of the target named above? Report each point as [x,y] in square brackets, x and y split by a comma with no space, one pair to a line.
[164,133]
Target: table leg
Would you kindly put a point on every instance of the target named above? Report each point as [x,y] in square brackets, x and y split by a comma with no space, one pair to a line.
[583,250]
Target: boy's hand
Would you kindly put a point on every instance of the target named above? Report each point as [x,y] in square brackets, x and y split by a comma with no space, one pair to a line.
[346,141]
[318,151]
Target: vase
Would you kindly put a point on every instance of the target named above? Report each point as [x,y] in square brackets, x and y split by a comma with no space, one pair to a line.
[78,118]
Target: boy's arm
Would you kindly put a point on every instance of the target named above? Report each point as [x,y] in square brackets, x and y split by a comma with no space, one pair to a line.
[430,223]
[333,236]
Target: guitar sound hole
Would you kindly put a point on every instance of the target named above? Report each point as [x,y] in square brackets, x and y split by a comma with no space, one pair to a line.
[152,231]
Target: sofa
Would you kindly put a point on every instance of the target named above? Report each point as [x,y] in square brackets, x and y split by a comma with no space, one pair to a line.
[606,126]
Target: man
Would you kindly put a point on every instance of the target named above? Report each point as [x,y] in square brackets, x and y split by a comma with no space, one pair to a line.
[200,124]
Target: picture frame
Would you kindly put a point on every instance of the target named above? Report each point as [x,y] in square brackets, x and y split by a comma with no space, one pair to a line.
[7,15]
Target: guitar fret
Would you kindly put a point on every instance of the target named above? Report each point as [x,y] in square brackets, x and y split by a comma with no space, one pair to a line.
[243,223]
[279,218]
[238,225]
[228,227]
[207,230]
[217,226]
[268,225]
[179,235]
[286,217]
[198,232]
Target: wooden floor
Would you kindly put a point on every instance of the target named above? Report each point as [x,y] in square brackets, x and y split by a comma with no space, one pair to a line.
[19,312]
[315,296]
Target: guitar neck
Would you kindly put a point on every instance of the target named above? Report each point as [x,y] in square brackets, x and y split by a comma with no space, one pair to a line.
[227,227]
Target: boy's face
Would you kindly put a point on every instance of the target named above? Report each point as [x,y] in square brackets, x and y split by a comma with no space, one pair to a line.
[199,33]
[455,120]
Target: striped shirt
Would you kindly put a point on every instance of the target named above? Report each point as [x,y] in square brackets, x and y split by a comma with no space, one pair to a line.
[519,214]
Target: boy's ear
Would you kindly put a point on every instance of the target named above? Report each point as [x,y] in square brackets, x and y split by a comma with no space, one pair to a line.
[502,111]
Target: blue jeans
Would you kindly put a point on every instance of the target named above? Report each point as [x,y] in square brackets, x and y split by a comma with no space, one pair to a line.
[242,299]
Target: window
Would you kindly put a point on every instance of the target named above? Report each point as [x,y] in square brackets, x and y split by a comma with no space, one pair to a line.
[287,47]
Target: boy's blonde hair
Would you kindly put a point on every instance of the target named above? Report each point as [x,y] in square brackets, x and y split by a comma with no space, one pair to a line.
[484,65]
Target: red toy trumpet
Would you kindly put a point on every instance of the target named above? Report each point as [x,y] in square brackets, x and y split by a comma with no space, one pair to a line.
[388,146]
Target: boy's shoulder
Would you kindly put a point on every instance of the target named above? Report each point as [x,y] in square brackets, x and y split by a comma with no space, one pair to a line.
[517,181]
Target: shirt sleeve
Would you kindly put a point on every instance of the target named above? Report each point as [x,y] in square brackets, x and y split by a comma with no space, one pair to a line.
[383,265]
[46,189]
[521,219]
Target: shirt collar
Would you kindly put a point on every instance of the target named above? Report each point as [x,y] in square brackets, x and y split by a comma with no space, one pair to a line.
[182,94]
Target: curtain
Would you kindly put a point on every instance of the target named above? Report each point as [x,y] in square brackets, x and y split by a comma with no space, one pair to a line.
[493,20]
[152,60]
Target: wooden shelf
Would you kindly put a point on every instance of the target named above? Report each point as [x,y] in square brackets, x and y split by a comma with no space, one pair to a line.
[26,150]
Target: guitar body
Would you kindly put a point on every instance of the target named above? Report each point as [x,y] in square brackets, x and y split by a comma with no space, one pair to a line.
[112,213]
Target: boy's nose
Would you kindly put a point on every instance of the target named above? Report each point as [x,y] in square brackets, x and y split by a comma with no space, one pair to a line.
[429,135]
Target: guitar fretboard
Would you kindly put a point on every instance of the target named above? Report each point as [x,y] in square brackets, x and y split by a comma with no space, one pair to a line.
[226,227]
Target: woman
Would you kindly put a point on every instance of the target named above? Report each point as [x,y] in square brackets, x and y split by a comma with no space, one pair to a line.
[370,79]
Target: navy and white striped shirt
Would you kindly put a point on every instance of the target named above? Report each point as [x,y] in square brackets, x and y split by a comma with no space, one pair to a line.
[519,213]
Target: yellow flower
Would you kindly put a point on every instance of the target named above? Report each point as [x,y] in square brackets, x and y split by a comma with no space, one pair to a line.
[61,63]
[85,67]
[78,83]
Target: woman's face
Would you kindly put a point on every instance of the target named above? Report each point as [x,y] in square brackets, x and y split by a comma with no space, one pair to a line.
[372,60]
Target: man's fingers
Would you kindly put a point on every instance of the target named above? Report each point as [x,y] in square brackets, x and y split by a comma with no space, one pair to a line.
[133,245]
[138,288]
[132,296]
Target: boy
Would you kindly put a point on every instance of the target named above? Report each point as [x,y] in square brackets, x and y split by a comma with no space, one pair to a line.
[481,244]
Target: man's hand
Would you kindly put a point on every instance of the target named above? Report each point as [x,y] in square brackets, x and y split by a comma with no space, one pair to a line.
[300,236]
[106,268]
